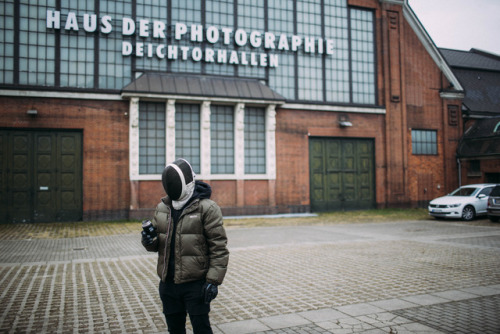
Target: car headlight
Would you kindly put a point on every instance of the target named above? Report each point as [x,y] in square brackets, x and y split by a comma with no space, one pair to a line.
[453,205]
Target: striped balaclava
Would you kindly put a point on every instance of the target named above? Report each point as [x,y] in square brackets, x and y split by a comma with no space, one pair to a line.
[178,181]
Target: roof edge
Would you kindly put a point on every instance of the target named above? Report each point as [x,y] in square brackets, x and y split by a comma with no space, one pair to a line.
[429,45]
[196,87]
[155,96]
[452,95]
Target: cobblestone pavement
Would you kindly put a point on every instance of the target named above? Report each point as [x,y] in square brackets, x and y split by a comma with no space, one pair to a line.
[398,277]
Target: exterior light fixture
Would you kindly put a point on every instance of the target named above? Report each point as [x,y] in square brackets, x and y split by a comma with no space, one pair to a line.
[345,124]
[344,121]
[32,112]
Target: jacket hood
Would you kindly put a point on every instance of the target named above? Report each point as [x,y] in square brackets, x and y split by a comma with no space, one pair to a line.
[201,190]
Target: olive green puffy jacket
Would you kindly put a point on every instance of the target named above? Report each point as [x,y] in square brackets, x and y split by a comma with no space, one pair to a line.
[200,242]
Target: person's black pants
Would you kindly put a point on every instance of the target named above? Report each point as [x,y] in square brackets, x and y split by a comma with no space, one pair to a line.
[177,323]
[180,299]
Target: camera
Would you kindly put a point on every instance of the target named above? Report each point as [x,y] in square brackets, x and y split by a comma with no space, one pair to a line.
[148,229]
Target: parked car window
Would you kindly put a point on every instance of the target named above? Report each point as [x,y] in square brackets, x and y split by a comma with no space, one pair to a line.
[495,192]
[464,192]
[486,191]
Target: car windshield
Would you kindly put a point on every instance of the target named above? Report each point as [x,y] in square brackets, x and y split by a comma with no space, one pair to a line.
[464,192]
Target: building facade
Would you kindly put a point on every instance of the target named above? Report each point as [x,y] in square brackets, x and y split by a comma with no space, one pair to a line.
[281,106]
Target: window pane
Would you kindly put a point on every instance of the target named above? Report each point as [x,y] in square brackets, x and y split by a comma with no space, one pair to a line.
[151,137]
[363,57]
[255,141]
[34,46]
[251,17]
[424,141]
[187,134]
[219,13]
[282,78]
[187,12]
[222,139]
[114,69]
[310,65]
[7,45]
[337,65]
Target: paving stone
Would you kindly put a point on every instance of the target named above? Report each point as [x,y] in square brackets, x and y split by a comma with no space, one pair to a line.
[284,321]
[359,309]
[481,291]
[454,295]
[392,304]
[322,315]
[243,327]
[425,299]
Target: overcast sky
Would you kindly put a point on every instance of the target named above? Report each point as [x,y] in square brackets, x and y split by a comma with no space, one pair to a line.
[461,24]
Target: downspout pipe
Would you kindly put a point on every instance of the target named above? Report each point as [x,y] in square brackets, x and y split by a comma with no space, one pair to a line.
[459,172]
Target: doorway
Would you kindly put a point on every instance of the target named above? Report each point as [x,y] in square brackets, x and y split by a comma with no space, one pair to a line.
[341,174]
[40,176]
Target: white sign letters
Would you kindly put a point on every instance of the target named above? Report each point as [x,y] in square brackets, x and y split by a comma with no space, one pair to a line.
[151,40]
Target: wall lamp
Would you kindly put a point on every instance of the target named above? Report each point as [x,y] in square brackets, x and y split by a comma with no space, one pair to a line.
[345,124]
[32,112]
[344,121]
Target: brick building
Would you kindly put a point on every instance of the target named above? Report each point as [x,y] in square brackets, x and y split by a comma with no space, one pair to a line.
[478,152]
[281,106]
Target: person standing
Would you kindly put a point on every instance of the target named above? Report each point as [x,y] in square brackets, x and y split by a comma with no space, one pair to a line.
[188,234]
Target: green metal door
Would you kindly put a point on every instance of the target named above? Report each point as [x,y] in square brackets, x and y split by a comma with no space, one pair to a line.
[341,174]
[40,176]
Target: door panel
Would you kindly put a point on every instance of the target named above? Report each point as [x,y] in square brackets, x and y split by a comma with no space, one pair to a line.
[44,205]
[20,180]
[341,174]
[70,176]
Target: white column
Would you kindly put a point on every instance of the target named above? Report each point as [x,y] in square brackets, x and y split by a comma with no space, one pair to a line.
[271,141]
[170,132]
[205,147]
[239,141]
[134,138]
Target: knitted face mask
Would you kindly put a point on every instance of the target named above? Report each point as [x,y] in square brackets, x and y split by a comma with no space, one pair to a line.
[178,180]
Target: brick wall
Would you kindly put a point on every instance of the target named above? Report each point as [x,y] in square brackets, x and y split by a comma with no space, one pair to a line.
[428,176]
[293,130]
[104,124]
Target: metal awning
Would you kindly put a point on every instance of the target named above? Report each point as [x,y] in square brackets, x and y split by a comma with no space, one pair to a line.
[175,85]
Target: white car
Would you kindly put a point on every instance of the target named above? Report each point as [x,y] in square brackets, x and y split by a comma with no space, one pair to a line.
[466,202]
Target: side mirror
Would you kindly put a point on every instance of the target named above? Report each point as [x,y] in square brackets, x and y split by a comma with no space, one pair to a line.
[481,196]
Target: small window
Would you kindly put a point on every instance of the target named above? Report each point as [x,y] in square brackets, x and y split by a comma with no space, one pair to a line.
[424,142]
[474,168]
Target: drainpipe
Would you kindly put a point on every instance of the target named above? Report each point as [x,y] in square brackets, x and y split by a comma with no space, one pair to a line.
[459,173]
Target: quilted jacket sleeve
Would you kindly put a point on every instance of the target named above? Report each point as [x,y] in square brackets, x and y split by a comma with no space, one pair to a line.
[217,242]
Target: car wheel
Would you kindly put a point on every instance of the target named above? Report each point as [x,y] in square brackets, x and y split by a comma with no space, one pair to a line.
[493,219]
[468,213]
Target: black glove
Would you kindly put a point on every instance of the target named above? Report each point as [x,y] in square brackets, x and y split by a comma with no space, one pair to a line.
[147,239]
[148,233]
[209,292]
